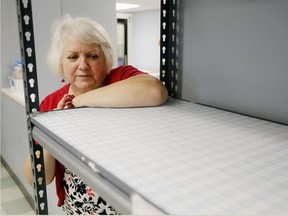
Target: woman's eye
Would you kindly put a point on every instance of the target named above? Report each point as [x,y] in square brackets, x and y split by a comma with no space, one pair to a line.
[72,57]
[94,56]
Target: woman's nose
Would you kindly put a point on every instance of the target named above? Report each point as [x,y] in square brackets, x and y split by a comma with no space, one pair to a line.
[83,65]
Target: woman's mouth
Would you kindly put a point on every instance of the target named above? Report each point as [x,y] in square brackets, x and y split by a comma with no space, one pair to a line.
[83,76]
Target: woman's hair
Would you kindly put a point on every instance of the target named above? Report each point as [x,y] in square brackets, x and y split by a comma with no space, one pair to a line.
[83,29]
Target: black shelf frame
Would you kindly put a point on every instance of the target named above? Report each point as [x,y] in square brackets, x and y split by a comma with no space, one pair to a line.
[169,46]
[28,58]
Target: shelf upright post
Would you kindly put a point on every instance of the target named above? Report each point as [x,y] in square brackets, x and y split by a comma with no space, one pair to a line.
[168,46]
[28,57]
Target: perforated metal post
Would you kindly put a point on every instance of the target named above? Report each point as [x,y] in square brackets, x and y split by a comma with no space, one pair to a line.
[168,61]
[28,57]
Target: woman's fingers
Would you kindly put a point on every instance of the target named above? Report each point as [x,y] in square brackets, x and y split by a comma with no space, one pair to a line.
[61,104]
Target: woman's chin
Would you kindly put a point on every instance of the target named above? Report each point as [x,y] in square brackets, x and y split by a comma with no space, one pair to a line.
[82,88]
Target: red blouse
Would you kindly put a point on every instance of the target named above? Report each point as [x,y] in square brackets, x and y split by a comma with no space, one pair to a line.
[51,102]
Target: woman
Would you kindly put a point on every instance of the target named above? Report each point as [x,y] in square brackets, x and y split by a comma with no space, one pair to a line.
[81,52]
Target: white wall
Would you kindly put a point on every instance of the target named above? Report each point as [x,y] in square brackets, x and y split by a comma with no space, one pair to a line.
[10,48]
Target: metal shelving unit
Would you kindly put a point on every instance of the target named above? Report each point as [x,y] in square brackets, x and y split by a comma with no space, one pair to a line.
[28,57]
[223,141]
[168,76]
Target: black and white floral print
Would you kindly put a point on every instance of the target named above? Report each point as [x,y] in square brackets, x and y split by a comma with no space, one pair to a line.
[81,199]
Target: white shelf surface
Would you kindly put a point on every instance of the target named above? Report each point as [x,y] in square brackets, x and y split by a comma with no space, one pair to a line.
[17,96]
[181,157]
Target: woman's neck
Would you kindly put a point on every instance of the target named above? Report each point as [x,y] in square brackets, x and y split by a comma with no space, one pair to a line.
[70,91]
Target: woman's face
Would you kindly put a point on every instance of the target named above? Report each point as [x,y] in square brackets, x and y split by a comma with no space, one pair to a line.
[83,65]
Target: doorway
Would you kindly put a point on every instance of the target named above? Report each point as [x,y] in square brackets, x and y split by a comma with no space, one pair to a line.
[122,41]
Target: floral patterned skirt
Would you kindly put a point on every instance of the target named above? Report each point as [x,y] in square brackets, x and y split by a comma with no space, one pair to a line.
[81,199]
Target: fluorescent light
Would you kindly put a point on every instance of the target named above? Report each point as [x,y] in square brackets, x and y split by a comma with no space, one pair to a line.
[123,6]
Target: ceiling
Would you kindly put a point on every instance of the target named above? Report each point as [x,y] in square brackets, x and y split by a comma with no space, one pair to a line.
[144,5]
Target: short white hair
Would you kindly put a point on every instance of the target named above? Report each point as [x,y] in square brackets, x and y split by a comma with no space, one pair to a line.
[82,29]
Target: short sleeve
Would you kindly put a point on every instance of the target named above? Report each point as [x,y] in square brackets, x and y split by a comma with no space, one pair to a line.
[122,73]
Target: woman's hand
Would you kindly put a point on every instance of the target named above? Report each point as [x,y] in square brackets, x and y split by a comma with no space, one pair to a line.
[61,104]
[65,102]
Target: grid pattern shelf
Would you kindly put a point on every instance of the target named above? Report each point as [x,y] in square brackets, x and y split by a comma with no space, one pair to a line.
[183,158]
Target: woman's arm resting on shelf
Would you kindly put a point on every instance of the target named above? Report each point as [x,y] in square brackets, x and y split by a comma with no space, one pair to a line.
[137,91]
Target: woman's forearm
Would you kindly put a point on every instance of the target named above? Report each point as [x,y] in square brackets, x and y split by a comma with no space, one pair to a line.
[49,163]
[137,91]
